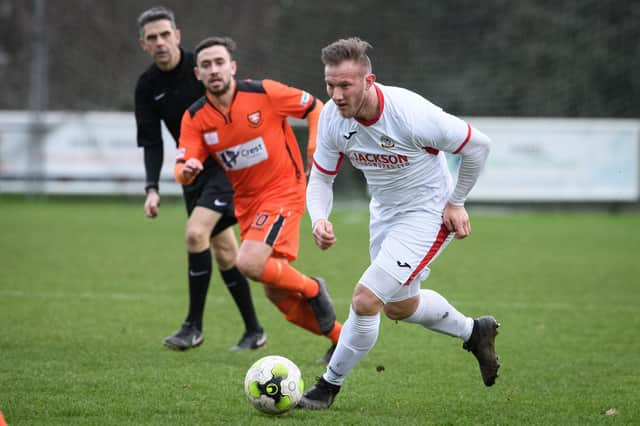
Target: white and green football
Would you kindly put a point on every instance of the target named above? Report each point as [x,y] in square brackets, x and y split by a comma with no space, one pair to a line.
[274,384]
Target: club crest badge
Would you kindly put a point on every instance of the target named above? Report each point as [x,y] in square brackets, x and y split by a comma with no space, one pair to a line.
[386,142]
[255,119]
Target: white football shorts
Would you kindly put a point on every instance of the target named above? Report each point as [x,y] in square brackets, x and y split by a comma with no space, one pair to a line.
[403,246]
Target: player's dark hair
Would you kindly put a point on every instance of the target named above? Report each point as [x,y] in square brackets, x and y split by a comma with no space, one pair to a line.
[347,49]
[226,42]
[155,14]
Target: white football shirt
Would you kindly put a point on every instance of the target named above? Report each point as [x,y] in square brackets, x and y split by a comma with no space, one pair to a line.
[399,152]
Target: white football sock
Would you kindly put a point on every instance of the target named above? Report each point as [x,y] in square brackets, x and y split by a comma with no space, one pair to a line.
[435,313]
[359,334]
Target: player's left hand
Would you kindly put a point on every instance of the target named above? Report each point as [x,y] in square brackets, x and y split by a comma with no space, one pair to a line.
[323,234]
[456,220]
[191,168]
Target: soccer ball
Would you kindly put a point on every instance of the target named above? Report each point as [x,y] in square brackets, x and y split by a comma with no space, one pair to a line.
[273,384]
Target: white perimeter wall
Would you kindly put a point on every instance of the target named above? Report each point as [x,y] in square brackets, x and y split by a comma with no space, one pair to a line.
[531,160]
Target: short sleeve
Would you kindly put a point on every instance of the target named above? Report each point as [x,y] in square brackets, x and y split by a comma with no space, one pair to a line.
[289,101]
[191,143]
[435,128]
[328,157]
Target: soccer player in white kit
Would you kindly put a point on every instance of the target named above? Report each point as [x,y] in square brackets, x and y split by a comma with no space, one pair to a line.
[398,139]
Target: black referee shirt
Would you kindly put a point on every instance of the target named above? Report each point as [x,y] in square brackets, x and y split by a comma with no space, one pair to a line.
[163,96]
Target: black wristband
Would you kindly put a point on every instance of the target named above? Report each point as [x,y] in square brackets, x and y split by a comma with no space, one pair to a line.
[151,186]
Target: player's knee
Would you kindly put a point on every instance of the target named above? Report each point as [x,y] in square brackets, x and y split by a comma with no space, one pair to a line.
[252,257]
[397,311]
[365,302]
[197,238]
[225,259]
[394,313]
[249,267]
[224,253]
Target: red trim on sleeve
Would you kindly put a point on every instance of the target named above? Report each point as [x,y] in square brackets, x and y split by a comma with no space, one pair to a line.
[430,150]
[380,109]
[330,172]
[435,248]
[465,140]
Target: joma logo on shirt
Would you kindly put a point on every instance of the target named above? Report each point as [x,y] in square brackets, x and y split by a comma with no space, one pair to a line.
[382,161]
[243,155]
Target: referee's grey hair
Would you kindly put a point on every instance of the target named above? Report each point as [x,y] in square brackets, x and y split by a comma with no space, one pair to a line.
[155,14]
[349,49]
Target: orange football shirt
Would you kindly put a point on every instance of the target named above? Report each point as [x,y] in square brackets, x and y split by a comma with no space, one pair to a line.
[253,142]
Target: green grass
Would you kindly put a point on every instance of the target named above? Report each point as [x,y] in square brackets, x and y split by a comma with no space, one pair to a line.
[89,288]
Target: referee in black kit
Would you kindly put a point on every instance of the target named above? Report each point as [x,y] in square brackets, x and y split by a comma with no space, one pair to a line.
[163,92]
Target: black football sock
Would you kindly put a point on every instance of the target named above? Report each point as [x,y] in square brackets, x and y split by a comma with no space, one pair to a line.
[238,286]
[199,277]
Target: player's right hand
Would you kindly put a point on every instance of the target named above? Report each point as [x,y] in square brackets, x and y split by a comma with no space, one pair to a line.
[456,220]
[191,168]
[152,204]
[323,234]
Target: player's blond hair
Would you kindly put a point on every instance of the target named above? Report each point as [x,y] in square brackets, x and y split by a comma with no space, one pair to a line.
[347,49]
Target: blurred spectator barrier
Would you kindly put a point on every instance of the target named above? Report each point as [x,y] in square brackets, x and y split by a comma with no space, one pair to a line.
[532,159]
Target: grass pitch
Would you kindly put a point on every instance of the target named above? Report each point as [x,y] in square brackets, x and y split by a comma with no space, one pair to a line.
[89,288]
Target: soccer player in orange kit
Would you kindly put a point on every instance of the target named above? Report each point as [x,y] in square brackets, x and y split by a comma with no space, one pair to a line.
[243,125]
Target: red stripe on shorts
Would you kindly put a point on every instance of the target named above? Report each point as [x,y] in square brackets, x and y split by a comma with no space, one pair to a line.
[435,248]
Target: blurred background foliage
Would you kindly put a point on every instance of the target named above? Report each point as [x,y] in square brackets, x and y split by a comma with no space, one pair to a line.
[496,58]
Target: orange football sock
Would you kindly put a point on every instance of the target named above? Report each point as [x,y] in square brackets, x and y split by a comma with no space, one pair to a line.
[293,308]
[334,334]
[298,311]
[279,274]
